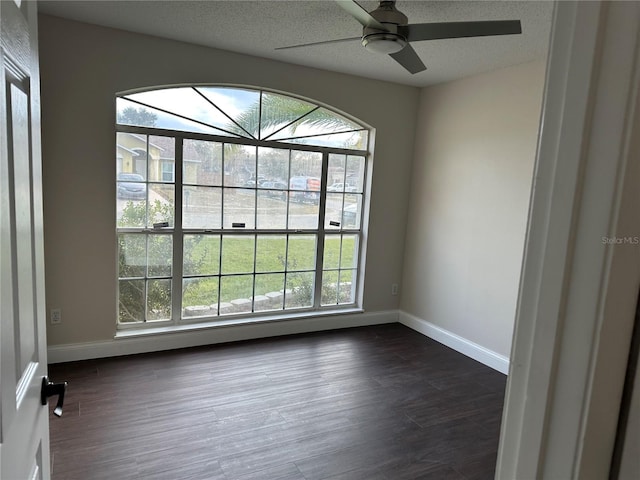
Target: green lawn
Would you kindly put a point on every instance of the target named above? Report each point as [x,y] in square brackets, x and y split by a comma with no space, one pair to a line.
[271,256]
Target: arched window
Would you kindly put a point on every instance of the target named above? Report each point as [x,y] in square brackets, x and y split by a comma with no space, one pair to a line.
[234,202]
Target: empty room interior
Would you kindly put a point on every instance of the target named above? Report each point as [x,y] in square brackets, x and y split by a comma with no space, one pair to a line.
[283,263]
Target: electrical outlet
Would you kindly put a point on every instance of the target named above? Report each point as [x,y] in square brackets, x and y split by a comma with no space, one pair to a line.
[56,316]
[394,289]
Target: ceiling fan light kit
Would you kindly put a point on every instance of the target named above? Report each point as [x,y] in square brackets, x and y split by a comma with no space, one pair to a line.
[386,30]
[384,42]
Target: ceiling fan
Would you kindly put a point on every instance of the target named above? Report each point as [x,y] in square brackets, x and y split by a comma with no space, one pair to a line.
[385,30]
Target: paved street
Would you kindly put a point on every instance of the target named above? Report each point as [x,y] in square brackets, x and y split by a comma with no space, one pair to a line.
[204,210]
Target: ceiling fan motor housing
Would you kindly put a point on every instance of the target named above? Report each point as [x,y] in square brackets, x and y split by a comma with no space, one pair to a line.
[389,41]
[387,13]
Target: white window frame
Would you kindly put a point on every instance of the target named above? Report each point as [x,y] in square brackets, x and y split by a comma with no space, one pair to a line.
[177,233]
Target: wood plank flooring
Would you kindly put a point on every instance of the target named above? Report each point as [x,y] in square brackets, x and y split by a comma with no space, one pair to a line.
[371,403]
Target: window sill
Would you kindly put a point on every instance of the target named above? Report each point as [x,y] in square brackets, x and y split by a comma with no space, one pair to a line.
[144,331]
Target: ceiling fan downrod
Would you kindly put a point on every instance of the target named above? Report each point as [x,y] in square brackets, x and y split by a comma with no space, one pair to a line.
[389,41]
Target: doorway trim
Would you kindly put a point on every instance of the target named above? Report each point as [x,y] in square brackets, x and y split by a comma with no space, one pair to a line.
[581,268]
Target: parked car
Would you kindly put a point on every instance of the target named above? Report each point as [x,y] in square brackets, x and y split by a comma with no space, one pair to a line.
[252,182]
[131,186]
[310,187]
[350,215]
[279,185]
[341,187]
[275,189]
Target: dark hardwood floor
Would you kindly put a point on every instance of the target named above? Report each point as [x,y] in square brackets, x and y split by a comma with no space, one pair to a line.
[371,403]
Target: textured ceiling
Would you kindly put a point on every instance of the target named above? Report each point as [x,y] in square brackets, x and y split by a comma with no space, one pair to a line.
[258,27]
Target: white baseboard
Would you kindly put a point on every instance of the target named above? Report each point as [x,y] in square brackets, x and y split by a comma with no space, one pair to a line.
[466,347]
[208,336]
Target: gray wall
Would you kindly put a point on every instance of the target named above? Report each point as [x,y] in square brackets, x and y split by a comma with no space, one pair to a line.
[82,69]
[471,181]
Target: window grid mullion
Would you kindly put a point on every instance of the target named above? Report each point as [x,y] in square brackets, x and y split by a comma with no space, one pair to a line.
[255,254]
[236,140]
[146,239]
[339,265]
[222,191]
[145,315]
[286,272]
[255,200]
[255,227]
[223,185]
[146,179]
[288,192]
[219,272]
[178,236]
[317,296]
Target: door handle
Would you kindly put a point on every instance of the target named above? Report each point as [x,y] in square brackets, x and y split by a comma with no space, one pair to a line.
[50,389]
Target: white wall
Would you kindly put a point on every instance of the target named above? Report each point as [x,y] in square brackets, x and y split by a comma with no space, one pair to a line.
[82,69]
[471,181]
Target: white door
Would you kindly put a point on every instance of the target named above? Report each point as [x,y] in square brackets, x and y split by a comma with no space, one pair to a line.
[24,424]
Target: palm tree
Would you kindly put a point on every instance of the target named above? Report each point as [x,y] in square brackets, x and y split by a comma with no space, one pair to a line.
[275,116]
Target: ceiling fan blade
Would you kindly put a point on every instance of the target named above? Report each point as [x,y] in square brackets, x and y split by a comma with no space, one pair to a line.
[436,31]
[354,9]
[325,42]
[409,59]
